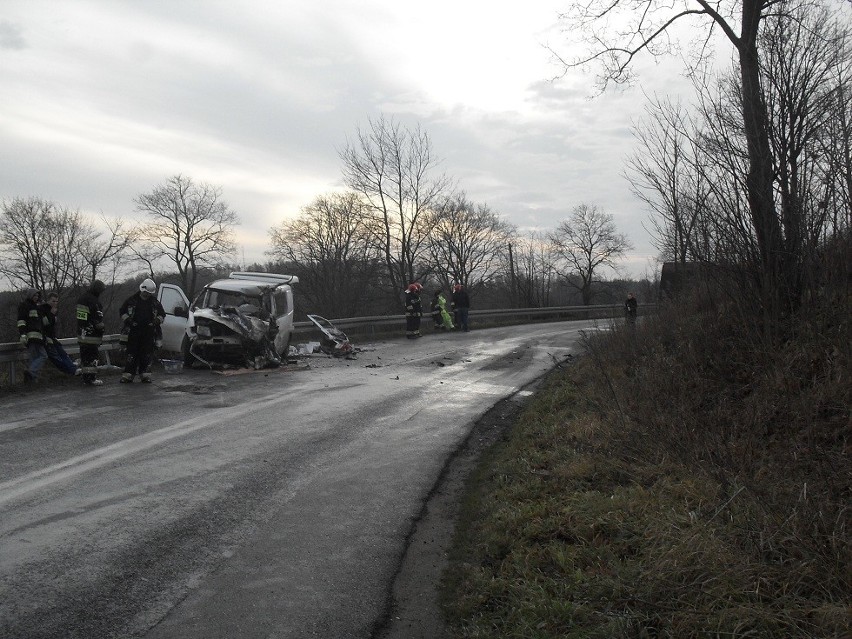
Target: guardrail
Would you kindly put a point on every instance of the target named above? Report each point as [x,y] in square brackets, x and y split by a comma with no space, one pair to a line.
[383,324]
[12,355]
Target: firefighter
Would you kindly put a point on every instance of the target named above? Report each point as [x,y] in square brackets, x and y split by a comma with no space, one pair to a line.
[142,315]
[30,329]
[413,310]
[90,331]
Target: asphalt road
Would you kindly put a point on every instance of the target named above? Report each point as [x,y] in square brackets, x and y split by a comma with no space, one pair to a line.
[272,503]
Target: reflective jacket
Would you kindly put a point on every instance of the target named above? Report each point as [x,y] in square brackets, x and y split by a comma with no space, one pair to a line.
[413,307]
[30,322]
[137,313]
[90,319]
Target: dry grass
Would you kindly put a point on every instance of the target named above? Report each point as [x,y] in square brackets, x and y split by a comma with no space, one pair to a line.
[681,482]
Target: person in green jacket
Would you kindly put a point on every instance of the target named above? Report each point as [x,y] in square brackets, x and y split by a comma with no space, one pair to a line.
[439,310]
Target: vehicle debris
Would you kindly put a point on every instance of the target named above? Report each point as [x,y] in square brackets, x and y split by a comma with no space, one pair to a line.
[334,341]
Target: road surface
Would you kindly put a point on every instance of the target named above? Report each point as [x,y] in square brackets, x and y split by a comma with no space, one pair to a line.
[271,503]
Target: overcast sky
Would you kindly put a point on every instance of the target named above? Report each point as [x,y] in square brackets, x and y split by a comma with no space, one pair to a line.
[104,100]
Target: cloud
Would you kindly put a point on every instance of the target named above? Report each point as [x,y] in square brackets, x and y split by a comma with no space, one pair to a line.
[11,36]
[106,100]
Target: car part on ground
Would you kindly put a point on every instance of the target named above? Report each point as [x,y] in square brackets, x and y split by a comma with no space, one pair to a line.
[334,341]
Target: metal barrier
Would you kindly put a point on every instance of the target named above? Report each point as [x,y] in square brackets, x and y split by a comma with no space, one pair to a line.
[13,354]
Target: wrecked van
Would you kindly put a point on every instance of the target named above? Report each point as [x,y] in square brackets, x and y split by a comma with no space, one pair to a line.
[244,320]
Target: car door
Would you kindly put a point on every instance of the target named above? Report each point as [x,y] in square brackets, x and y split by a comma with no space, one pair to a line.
[176,305]
[283,300]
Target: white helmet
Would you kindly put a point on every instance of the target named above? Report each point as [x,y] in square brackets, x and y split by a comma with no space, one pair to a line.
[148,286]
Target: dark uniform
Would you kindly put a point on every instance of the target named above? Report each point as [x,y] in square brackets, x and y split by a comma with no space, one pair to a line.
[90,331]
[142,318]
[413,311]
[30,328]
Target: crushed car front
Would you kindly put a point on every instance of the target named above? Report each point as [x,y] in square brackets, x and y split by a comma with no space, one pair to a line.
[232,326]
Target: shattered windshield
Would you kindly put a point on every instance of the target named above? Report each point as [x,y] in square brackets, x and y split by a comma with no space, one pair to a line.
[248,304]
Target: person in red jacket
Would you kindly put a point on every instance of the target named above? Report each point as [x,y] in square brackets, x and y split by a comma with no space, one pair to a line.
[30,327]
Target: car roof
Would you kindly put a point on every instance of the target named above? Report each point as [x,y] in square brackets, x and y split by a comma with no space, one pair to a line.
[248,287]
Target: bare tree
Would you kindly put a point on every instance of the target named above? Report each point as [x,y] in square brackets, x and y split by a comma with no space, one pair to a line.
[332,247]
[42,244]
[392,168]
[533,270]
[105,252]
[587,241]
[665,173]
[647,26]
[806,65]
[468,242]
[190,225]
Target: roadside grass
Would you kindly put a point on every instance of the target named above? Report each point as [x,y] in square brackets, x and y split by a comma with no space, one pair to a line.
[678,481]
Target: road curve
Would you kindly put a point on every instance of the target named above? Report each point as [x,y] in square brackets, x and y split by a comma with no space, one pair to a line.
[265,504]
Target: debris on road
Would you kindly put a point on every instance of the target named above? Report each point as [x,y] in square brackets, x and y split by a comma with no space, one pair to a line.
[334,341]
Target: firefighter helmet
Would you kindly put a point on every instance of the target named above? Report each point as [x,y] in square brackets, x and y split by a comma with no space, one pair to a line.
[148,286]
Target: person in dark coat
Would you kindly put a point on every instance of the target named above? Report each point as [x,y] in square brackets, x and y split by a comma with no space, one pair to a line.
[31,328]
[90,331]
[142,314]
[630,308]
[413,311]
[461,306]
[55,352]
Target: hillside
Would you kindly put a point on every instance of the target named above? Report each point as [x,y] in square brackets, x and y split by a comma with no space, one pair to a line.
[681,480]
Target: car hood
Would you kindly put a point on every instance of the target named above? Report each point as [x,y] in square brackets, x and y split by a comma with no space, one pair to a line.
[246,326]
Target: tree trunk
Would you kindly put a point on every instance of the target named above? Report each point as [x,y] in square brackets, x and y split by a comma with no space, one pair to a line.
[760,174]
